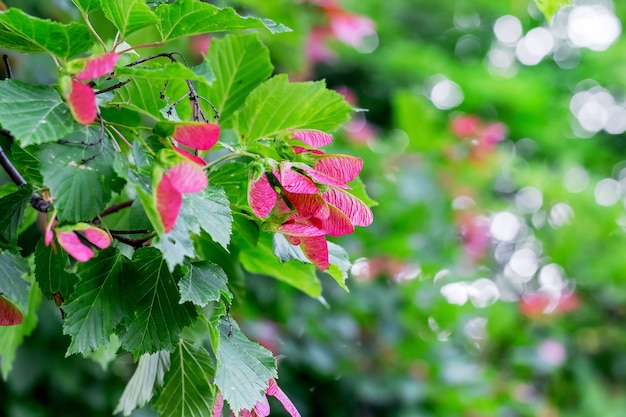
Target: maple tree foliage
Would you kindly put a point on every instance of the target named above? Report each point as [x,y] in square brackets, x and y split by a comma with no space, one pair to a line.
[141,169]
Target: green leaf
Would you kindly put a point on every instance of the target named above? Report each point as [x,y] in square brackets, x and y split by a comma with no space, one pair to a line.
[550,7]
[188,391]
[261,260]
[50,271]
[243,367]
[211,208]
[285,251]
[128,15]
[188,17]
[31,35]
[240,64]
[159,317]
[95,308]
[177,244]
[144,96]
[169,71]
[87,6]
[13,286]
[81,178]
[33,114]
[27,164]
[204,283]
[277,105]
[142,385]
[339,264]
[104,355]
[12,214]
[11,337]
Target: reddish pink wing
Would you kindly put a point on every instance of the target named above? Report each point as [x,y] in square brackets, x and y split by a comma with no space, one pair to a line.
[314,138]
[261,196]
[200,136]
[190,156]
[294,182]
[316,249]
[9,314]
[343,168]
[82,102]
[72,244]
[358,213]
[169,201]
[188,178]
[98,66]
[97,236]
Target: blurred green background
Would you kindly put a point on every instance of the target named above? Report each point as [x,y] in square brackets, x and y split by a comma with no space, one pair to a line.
[492,280]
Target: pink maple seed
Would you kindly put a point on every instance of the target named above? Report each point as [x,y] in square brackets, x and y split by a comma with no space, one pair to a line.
[72,245]
[315,248]
[188,178]
[343,168]
[301,230]
[197,135]
[300,149]
[356,210]
[337,223]
[169,201]
[193,158]
[261,408]
[218,406]
[322,178]
[9,314]
[97,236]
[294,182]
[309,205]
[82,102]
[261,196]
[275,391]
[314,138]
[98,66]
[48,235]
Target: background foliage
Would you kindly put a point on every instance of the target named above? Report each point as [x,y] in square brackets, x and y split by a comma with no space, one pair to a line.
[491,282]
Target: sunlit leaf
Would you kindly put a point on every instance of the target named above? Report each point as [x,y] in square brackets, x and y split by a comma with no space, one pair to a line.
[278,105]
[128,15]
[31,35]
[243,367]
[33,114]
[187,18]
[239,64]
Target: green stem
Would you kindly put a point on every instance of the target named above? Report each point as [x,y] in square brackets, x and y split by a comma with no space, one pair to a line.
[91,28]
[234,154]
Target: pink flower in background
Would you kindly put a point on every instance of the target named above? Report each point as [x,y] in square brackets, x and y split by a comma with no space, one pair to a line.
[261,408]
[535,305]
[316,48]
[349,28]
[552,352]
[474,234]
[200,44]
[485,136]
